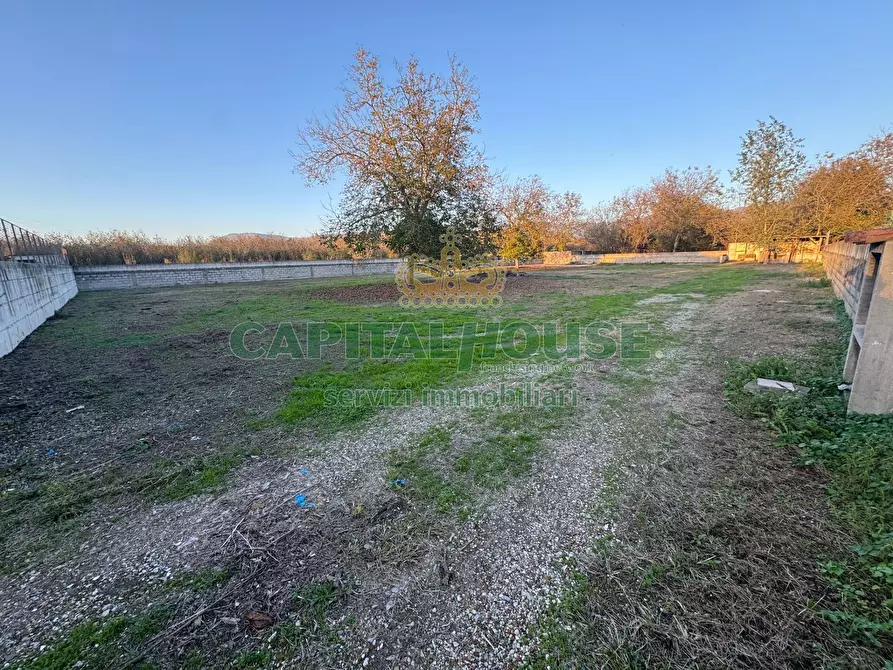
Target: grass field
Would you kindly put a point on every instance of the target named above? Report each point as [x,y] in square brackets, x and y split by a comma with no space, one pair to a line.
[168,504]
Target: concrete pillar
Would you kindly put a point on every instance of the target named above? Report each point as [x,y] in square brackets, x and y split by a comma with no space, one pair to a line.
[870,359]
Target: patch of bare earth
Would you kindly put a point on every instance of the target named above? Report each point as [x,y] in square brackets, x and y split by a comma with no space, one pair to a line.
[475,599]
[386,292]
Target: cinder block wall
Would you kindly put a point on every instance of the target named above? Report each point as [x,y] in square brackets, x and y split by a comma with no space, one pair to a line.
[667,257]
[845,266]
[30,293]
[106,277]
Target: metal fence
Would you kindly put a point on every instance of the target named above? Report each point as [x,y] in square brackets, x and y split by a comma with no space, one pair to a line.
[18,244]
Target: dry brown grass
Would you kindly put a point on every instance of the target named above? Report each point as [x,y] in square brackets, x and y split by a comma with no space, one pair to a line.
[119,247]
[713,561]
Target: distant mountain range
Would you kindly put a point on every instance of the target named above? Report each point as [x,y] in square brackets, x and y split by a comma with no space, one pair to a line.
[241,235]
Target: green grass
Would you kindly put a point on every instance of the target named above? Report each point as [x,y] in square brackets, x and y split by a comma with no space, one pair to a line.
[559,628]
[313,603]
[858,453]
[102,645]
[720,281]
[564,630]
[205,474]
[436,472]
[200,580]
[90,642]
[311,607]
[414,372]
[414,472]
[90,330]
[293,304]
[194,661]
[252,660]
[308,402]
[498,458]
[812,270]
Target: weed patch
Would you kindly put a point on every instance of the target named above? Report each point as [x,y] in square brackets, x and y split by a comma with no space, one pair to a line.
[107,645]
[437,472]
[201,580]
[202,475]
[308,624]
[858,453]
[53,506]
[558,629]
[313,603]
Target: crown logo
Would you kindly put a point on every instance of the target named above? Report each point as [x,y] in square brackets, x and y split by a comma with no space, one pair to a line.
[452,282]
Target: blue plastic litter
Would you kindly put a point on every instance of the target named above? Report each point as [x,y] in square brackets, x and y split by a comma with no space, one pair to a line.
[399,482]
[51,452]
[301,501]
[305,472]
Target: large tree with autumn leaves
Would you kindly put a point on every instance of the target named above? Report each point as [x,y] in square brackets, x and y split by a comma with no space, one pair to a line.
[408,155]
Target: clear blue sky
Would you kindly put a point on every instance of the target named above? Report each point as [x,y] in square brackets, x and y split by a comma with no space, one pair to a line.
[177,116]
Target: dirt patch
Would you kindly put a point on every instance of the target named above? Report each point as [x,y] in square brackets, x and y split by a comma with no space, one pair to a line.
[388,293]
[363,293]
[659,299]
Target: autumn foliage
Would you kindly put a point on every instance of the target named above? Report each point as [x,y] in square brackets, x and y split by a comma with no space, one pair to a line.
[775,195]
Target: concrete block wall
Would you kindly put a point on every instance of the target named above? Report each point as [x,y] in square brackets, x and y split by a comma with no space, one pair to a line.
[30,293]
[107,277]
[844,264]
[668,257]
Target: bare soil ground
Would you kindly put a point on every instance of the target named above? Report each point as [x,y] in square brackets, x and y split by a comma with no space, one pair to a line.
[149,494]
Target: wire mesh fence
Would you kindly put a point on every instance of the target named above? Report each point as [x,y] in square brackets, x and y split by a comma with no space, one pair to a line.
[18,244]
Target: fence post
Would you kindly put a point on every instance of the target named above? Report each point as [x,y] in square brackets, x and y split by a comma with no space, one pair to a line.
[6,235]
[15,238]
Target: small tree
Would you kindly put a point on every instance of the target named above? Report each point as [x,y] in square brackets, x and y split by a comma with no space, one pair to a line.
[685,204]
[515,244]
[524,207]
[770,165]
[634,207]
[603,229]
[549,220]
